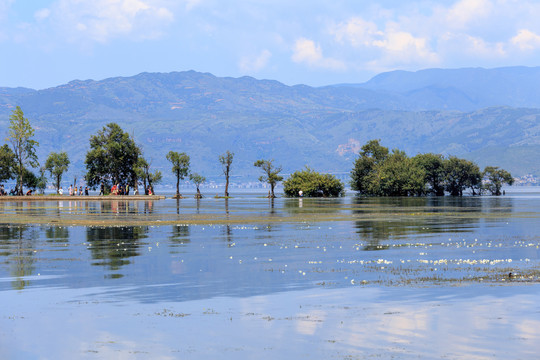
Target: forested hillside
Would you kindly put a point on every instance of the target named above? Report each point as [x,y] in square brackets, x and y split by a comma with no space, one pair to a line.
[204,116]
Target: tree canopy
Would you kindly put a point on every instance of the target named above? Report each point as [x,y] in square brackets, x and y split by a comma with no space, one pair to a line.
[112,158]
[197,180]
[226,160]
[313,184]
[180,167]
[7,163]
[57,164]
[377,172]
[271,174]
[495,178]
[24,148]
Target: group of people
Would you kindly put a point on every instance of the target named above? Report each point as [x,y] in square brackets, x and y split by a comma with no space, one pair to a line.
[12,192]
[117,189]
[74,191]
[120,189]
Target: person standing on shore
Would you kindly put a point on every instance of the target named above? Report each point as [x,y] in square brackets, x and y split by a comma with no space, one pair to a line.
[102,189]
[70,190]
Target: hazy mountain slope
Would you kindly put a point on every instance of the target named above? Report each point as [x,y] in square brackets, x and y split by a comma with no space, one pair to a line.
[462,89]
[204,116]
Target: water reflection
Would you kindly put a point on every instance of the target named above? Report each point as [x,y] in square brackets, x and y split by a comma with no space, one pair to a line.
[179,235]
[313,205]
[382,219]
[57,233]
[114,246]
[16,243]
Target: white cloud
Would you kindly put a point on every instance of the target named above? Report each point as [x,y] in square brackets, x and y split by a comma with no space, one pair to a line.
[306,51]
[250,64]
[465,12]
[526,40]
[102,20]
[358,32]
[391,44]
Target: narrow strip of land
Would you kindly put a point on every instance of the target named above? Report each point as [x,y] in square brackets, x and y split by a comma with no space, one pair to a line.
[80,198]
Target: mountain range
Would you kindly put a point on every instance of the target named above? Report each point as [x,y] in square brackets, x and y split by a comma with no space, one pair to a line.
[490,116]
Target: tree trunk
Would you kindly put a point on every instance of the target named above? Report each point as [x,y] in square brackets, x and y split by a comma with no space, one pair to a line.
[177,184]
[227,183]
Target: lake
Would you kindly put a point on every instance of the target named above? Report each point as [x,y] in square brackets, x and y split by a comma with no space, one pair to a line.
[251,278]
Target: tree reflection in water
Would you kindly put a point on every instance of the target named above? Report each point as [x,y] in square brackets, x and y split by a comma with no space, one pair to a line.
[113,246]
[17,244]
[388,218]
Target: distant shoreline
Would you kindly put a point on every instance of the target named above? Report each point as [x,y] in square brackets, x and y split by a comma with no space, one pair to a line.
[80,198]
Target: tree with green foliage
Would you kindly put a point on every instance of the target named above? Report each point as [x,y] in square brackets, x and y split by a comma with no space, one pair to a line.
[271,174]
[24,148]
[7,162]
[461,174]
[433,166]
[226,160]
[398,175]
[313,184]
[495,178]
[197,180]
[180,167]
[143,172]
[57,164]
[364,178]
[112,159]
[33,182]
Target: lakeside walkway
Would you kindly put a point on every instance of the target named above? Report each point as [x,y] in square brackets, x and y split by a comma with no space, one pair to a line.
[81,198]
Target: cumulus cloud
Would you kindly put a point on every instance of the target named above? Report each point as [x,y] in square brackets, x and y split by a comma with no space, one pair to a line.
[526,40]
[250,64]
[102,20]
[464,12]
[358,32]
[307,52]
[392,44]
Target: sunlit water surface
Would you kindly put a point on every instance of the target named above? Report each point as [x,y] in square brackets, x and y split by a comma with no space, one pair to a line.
[248,278]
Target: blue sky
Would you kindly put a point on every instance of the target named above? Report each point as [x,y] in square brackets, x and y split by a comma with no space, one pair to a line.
[45,43]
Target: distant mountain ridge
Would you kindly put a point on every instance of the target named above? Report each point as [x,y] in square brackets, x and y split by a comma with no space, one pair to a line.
[203,115]
[464,89]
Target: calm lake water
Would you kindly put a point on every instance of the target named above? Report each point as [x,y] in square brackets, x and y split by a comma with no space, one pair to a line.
[250,278]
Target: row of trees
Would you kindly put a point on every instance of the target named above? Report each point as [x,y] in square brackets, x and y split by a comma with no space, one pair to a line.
[378,172]
[115,158]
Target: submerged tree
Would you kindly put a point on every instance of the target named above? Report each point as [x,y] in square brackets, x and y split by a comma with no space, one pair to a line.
[180,167]
[197,180]
[112,158]
[226,162]
[398,176]
[433,166]
[313,184]
[496,178]
[271,174]
[461,174]
[364,174]
[24,148]
[57,164]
